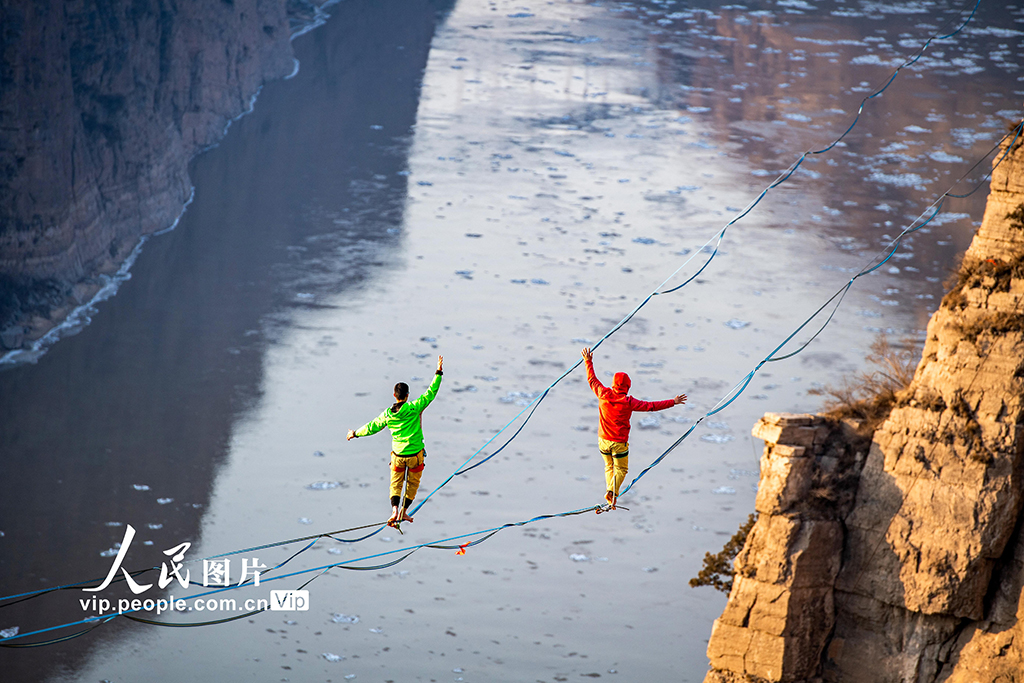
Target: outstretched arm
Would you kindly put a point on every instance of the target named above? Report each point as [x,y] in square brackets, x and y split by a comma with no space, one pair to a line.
[372,427]
[424,400]
[648,406]
[588,360]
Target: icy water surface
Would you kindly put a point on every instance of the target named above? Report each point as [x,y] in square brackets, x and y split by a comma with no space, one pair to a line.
[560,162]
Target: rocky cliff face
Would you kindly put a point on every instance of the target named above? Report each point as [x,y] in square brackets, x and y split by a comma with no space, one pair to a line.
[102,105]
[899,556]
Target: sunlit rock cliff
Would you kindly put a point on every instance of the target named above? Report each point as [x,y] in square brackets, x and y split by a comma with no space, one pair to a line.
[101,107]
[899,555]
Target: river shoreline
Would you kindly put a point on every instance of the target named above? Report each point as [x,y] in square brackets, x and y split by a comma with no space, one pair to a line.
[54,307]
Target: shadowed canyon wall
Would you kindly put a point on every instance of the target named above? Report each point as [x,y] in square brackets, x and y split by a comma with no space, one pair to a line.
[899,555]
[102,105]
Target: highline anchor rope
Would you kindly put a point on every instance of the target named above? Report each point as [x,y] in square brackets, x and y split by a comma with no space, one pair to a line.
[531,408]
[486,534]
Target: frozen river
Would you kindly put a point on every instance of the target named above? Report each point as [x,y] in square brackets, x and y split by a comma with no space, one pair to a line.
[499,182]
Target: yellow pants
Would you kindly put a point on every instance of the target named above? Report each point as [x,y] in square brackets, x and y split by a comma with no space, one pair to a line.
[400,464]
[616,463]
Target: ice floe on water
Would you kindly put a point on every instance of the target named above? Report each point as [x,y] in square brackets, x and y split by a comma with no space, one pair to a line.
[649,422]
[736,473]
[995,31]
[339,618]
[899,179]
[877,60]
[519,398]
[945,158]
[967,137]
[324,485]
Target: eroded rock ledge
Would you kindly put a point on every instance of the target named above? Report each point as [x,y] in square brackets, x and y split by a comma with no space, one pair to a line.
[102,105]
[899,555]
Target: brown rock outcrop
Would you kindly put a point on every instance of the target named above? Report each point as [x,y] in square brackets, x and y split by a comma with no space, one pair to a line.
[781,609]
[102,105]
[920,577]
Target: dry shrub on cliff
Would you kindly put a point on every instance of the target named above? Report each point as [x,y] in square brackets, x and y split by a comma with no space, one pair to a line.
[992,274]
[988,275]
[993,324]
[1016,217]
[869,396]
[718,570]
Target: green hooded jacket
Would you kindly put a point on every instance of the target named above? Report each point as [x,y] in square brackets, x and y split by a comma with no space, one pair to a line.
[404,422]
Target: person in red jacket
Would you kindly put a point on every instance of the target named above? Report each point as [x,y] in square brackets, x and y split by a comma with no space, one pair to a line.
[616,406]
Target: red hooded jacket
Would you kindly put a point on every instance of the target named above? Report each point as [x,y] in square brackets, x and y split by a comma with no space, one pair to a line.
[616,405]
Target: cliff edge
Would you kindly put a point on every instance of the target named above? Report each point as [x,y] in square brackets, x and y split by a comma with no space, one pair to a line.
[898,555]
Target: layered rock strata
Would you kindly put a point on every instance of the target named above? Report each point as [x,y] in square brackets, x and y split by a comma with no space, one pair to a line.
[919,576]
[102,105]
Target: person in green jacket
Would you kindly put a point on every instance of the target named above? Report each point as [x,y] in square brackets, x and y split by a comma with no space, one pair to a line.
[407,449]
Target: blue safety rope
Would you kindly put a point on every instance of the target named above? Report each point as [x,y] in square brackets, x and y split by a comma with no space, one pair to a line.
[717,238]
[478,536]
[532,406]
[486,534]
[888,252]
